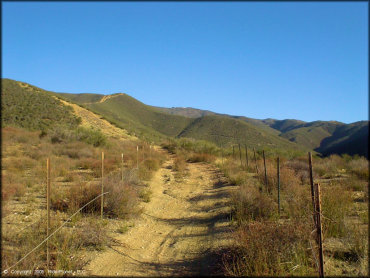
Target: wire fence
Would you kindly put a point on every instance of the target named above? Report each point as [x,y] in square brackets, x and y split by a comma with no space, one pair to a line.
[65,222]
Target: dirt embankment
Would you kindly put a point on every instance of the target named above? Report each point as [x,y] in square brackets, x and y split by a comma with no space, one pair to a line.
[90,119]
[181,231]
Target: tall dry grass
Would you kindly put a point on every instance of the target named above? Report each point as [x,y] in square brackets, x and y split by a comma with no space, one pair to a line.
[75,180]
[268,244]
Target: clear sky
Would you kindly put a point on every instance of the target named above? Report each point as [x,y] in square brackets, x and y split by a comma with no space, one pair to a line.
[300,60]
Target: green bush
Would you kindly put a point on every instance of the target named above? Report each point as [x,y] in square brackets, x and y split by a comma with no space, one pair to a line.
[91,136]
[63,134]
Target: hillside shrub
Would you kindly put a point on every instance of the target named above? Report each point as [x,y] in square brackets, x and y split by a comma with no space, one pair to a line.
[251,204]
[91,136]
[268,248]
[29,107]
[360,167]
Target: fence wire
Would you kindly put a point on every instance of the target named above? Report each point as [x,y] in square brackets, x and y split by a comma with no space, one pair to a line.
[65,222]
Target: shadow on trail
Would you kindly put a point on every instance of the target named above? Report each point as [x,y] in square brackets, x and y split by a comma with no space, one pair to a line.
[194,220]
[207,264]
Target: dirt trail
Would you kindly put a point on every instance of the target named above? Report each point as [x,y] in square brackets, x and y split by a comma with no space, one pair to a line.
[105,98]
[90,119]
[180,232]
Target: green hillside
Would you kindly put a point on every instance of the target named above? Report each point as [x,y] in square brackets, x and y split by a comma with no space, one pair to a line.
[310,134]
[124,108]
[196,113]
[226,130]
[283,125]
[82,98]
[186,112]
[150,122]
[259,124]
[350,139]
[131,114]
[326,137]
[26,106]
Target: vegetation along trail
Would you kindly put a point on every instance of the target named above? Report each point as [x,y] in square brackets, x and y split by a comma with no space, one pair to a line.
[181,230]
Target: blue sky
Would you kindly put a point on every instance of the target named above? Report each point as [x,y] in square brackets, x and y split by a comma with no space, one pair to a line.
[300,60]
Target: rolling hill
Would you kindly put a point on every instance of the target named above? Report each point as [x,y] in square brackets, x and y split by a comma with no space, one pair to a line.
[224,131]
[325,137]
[186,112]
[26,106]
[20,100]
[151,122]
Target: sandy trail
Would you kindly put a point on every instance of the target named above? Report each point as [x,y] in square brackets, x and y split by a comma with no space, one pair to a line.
[90,119]
[180,232]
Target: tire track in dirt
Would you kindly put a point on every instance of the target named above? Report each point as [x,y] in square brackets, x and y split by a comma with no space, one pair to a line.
[182,227]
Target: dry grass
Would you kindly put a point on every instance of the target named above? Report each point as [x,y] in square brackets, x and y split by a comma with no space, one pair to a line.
[266,245]
[147,168]
[269,248]
[249,203]
[179,166]
[201,157]
[75,180]
[64,246]
[336,203]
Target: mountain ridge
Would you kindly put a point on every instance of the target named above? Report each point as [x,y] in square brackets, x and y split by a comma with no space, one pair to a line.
[157,123]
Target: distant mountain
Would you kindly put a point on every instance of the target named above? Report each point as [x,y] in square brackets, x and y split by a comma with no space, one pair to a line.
[351,139]
[152,122]
[283,125]
[31,107]
[186,112]
[226,130]
[326,137]
[307,134]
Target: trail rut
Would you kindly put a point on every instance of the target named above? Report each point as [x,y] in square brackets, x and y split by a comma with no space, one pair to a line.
[181,231]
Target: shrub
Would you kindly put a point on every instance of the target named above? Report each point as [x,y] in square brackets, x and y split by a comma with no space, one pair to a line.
[12,186]
[200,157]
[267,248]
[335,206]
[151,164]
[296,202]
[91,234]
[145,195]
[288,178]
[91,136]
[300,168]
[248,203]
[122,201]
[92,164]
[360,167]
[76,196]
[147,168]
